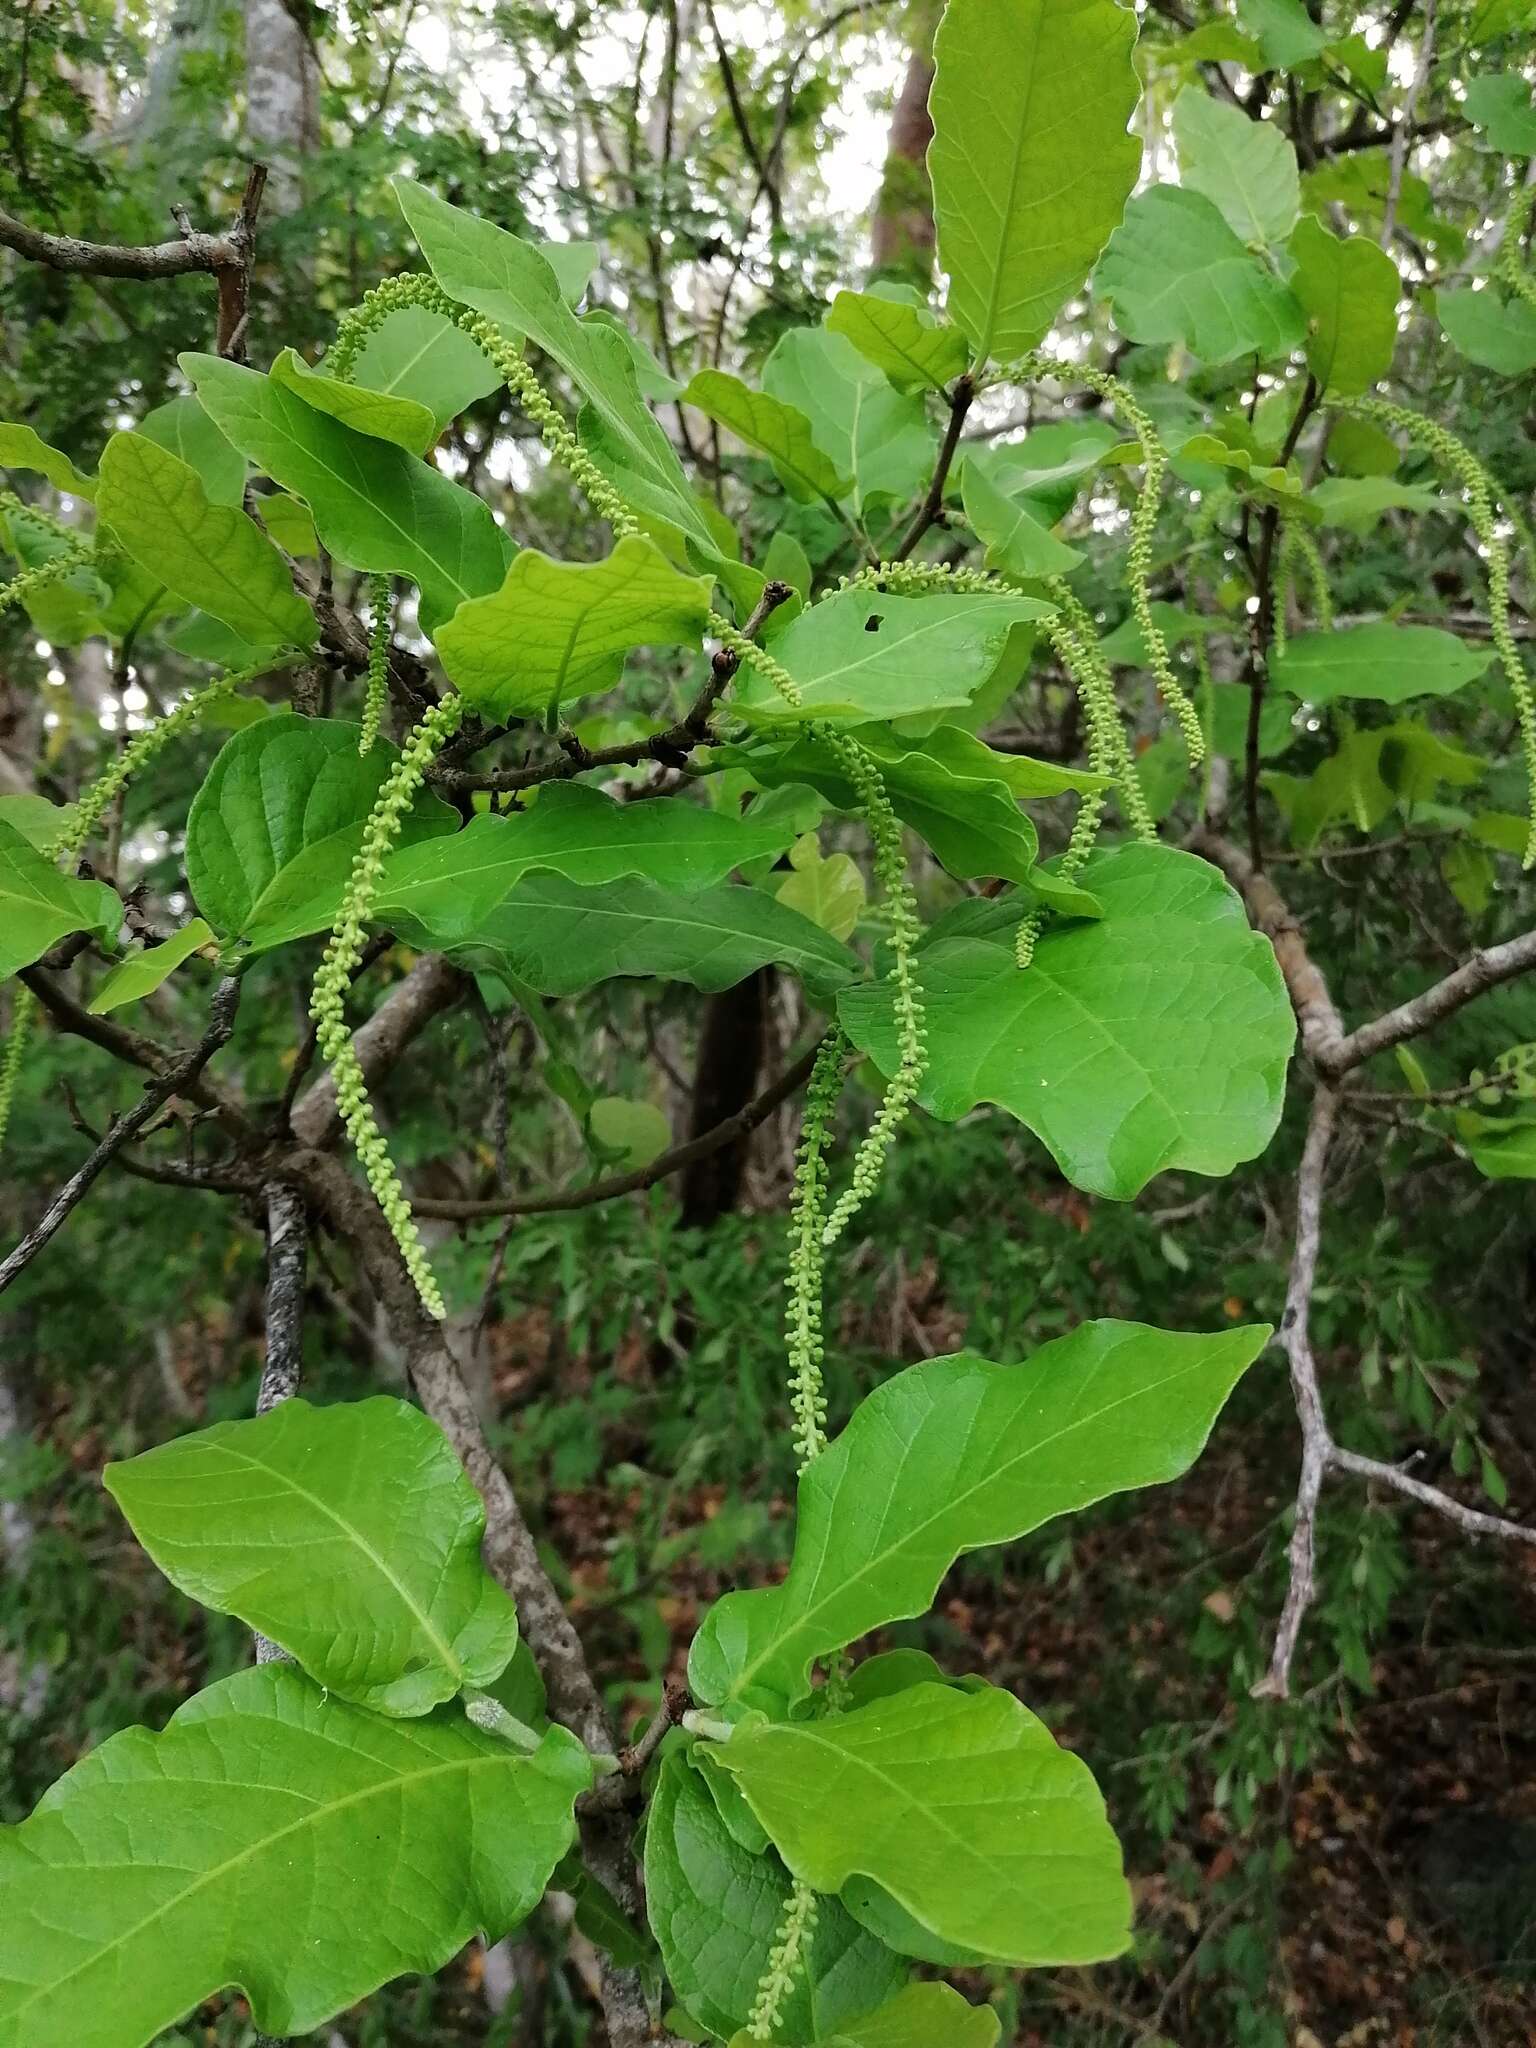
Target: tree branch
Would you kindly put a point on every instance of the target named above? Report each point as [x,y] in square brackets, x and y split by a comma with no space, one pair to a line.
[175,1081]
[959,405]
[661,1168]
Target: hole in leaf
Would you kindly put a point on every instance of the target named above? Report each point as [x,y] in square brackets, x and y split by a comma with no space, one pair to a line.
[872,623]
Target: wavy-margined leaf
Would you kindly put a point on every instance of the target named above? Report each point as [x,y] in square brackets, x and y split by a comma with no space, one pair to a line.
[418,354]
[480,265]
[952,1455]
[375,506]
[448,886]
[1018,541]
[39,905]
[1385,662]
[1496,331]
[829,889]
[182,426]
[773,427]
[863,655]
[1348,289]
[915,351]
[383,414]
[299,1848]
[1030,159]
[1246,168]
[22,447]
[558,630]
[1174,271]
[878,437]
[211,555]
[961,1805]
[715,1908]
[141,973]
[349,1535]
[1157,1037]
[562,939]
[273,831]
[920,2016]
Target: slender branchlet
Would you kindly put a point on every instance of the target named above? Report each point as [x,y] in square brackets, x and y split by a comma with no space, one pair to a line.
[328,997]
[376,694]
[1456,458]
[786,1960]
[804,1344]
[23,1017]
[1143,528]
[76,551]
[1510,269]
[93,803]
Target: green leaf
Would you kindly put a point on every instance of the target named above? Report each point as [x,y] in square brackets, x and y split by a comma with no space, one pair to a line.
[915,351]
[949,1456]
[1246,168]
[1018,543]
[349,1535]
[1494,331]
[141,973]
[482,266]
[1361,782]
[558,630]
[920,2016]
[715,1909]
[1174,271]
[295,1846]
[448,886]
[1349,291]
[41,823]
[211,555]
[1501,1148]
[875,435]
[862,655]
[1047,466]
[774,428]
[1500,104]
[1226,730]
[562,939]
[1123,1068]
[828,890]
[185,429]
[1286,32]
[654,382]
[375,507]
[1384,662]
[1125,645]
[71,608]
[273,831]
[636,1131]
[1357,503]
[961,1805]
[384,415]
[24,448]
[418,354]
[1030,159]
[39,905]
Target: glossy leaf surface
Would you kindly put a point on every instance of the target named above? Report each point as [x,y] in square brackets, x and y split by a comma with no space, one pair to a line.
[773,427]
[1030,159]
[348,1534]
[303,1849]
[952,1455]
[39,904]
[1153,1038]
[961,1805]
[141,973]
[915,351]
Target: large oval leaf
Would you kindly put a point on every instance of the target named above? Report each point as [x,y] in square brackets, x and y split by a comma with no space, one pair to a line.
[272,833]
[961,1805]
[1157,1037]
[954,1454]
[294,1846]
[349,1535]
[1030,158]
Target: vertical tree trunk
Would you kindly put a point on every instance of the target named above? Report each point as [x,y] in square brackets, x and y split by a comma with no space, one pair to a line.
[725,1079]
[902,235]
[282,114]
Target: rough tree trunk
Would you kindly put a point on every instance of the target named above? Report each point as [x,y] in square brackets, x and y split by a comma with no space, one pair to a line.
[902,235]
[282,114]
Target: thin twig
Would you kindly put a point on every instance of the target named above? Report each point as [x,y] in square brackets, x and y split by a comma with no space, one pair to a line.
[287,1265]
[933,503]
[226,1000]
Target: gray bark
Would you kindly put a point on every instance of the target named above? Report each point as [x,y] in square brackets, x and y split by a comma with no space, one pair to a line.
[282,112]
